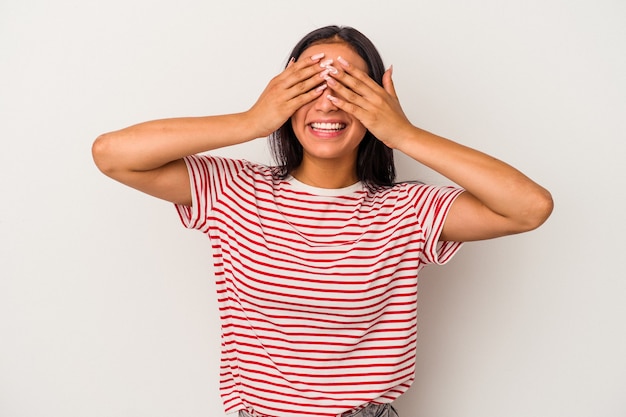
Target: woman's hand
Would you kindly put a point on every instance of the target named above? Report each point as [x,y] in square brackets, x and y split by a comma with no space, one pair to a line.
[378,108]
[299,84]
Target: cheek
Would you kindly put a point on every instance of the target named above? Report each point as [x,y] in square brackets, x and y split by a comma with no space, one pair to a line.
[297,119]
[359,129]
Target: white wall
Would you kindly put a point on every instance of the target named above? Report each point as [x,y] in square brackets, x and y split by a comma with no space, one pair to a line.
[107,304]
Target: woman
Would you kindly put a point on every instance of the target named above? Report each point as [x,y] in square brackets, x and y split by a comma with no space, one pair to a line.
[317,258]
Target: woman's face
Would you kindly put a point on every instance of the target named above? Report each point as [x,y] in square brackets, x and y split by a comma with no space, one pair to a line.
[325,131]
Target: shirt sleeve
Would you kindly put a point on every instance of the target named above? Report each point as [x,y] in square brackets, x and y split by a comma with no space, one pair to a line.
[432,205]
[209,177]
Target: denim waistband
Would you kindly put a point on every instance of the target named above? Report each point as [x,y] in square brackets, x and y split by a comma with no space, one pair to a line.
[372,410]
[369,410]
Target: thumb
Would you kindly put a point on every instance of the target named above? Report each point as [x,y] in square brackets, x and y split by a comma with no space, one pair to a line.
[388,82]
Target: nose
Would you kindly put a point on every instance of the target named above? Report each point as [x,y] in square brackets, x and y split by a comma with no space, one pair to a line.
[323,104]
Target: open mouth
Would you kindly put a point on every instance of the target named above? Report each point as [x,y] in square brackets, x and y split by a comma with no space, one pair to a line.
[328,127]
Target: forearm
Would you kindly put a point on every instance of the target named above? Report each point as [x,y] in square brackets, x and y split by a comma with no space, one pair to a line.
[501,188]
[153,144]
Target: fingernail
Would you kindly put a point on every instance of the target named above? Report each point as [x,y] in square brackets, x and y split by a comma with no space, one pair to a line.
[330,81]
[291,61]
[326,63]
[324,73]
[331,98]
[343,61]
[317,56]
[321,88]
[332,69]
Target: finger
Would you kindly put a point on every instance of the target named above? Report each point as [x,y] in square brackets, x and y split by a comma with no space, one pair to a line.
[356,111]
[354,95]
[300,70]
[314,81]
[388,82]
[355,79]
[301,99]
[312,74]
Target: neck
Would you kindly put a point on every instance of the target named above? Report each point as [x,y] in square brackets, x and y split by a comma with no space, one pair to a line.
[327,174]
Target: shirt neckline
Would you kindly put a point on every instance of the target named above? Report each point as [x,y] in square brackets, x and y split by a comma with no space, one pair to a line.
[328,192]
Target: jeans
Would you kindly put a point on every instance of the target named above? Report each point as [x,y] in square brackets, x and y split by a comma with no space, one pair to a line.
[371,410]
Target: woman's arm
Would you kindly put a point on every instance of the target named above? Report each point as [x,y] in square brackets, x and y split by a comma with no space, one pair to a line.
[498,199]
[148,156]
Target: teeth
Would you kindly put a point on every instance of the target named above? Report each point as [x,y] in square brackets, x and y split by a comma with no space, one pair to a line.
[328,126]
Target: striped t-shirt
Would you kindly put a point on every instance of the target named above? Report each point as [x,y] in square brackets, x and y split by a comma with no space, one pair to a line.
[317,288]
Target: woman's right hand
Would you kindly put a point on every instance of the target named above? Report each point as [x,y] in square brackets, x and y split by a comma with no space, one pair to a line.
[299,84]
[148,156]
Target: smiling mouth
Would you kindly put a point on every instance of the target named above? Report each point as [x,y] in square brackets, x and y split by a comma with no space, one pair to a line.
[328,127]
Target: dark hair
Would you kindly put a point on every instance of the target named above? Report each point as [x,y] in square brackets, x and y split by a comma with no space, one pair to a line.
[375,165]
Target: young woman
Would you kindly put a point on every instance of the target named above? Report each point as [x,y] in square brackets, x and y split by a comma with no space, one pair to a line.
[317,258]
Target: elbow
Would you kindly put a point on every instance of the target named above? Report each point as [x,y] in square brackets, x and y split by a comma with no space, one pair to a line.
[540,209]
[103,155]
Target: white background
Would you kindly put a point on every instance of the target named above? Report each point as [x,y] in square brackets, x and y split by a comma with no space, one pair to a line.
[107,305]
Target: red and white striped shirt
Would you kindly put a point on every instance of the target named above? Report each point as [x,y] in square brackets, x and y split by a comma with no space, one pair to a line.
[317,288]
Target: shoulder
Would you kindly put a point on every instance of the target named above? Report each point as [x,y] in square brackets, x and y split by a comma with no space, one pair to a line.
[419,194]
[420,188]
[408,188]
[221,163]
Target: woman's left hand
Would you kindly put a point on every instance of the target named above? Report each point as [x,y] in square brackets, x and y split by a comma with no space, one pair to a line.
[378,108]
